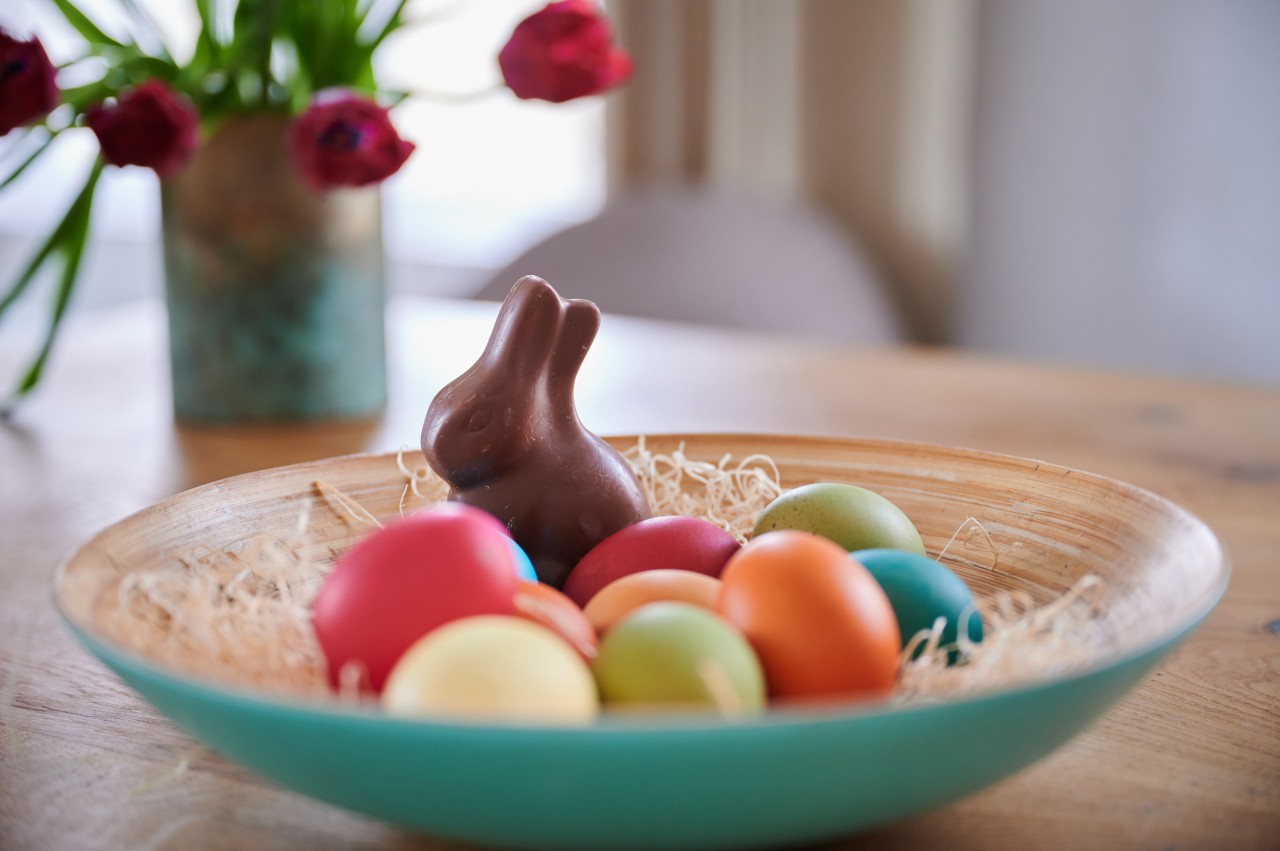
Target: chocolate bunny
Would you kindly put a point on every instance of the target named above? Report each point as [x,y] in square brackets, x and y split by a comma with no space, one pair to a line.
[506,437]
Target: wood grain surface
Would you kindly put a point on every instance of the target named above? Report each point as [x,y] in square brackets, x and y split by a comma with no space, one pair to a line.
[1190,760]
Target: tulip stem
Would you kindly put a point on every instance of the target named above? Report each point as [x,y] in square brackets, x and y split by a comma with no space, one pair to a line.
[434,16]
[144,22]
[67,243]
[88,30]
[447,97]
[35,155]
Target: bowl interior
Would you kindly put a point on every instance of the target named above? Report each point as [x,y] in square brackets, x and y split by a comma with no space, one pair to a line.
[1043,527]
[1039,528]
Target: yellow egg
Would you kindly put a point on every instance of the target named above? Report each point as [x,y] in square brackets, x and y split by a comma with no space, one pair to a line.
[496,669]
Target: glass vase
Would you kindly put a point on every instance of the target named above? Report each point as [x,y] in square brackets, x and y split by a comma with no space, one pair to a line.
[274,290]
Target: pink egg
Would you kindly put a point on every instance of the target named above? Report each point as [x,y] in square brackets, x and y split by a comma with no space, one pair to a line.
[406,579]
[675,543]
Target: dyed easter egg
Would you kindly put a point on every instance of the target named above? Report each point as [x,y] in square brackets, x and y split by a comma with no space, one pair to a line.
[544,605]
[402,581]
[853,517]
[678,656]
[520,560]
[820,624]
[621,597]
[921,590]
[492,669]
[673,542]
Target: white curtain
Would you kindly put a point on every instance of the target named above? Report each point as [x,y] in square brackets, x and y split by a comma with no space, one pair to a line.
[1095,182]
[1127,186]
[858,107]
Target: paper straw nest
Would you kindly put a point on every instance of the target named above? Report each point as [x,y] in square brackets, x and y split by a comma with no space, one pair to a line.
[244,618]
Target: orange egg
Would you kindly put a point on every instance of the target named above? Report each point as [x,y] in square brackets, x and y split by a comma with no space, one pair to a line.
[619,598]
[818,620]
[548,607]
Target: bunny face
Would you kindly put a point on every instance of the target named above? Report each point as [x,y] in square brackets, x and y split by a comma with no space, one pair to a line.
[482,424]
[471,437]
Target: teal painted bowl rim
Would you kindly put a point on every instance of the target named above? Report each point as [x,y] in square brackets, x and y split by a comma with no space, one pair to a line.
[607,723]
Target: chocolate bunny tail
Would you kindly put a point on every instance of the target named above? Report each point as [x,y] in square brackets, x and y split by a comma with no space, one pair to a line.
[506,437]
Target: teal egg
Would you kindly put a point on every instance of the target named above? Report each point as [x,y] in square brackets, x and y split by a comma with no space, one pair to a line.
[853,517]
[921,591]
[523,566]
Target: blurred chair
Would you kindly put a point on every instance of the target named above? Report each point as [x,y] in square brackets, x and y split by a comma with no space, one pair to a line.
[720,259]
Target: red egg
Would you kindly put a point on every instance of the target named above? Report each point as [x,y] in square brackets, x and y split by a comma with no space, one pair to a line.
[406,579]
[675,543]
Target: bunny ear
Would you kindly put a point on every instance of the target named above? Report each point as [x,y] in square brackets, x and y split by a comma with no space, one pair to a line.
[525,331]
[577,331]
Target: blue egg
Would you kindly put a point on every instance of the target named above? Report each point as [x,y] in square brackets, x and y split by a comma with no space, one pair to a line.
[524,567]
[920,591]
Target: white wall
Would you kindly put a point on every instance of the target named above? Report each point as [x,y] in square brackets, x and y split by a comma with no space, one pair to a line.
[1126,200]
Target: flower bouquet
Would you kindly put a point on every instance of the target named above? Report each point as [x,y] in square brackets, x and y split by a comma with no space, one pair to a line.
[262,139]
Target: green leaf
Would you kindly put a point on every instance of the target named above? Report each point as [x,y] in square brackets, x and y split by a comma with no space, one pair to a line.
[29,273]
[81,98]
[143,67]
[335,39]
[35,155]
[147,25]
[74,235]
[363,79]
[249,54]
[207,48]
[87,28]
[301,29]
[393,22]
[50,246]
[54,242]
[393,97]
[71,63]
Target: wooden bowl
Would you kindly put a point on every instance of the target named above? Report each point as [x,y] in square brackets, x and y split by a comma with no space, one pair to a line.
[793,775]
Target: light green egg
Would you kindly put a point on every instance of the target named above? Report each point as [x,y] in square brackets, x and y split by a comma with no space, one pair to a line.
[853,517]
[676,655]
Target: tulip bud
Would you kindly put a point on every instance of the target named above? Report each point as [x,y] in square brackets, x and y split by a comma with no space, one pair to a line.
[27,86]
[346,139]
[562,52]
[149,125]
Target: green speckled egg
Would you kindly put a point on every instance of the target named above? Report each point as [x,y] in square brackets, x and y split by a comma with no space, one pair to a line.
[920,591]
[676,655]
[853,517]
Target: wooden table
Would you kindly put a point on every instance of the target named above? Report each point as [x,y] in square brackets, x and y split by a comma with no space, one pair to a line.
[1190,760]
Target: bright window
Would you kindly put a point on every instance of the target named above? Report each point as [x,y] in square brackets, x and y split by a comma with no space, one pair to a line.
[490,176]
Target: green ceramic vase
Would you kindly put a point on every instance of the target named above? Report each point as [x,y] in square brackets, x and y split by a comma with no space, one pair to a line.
[274,290]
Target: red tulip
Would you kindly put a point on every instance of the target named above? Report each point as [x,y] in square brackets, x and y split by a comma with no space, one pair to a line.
[27,86]
[149,125]
[562,52]
[346,139]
